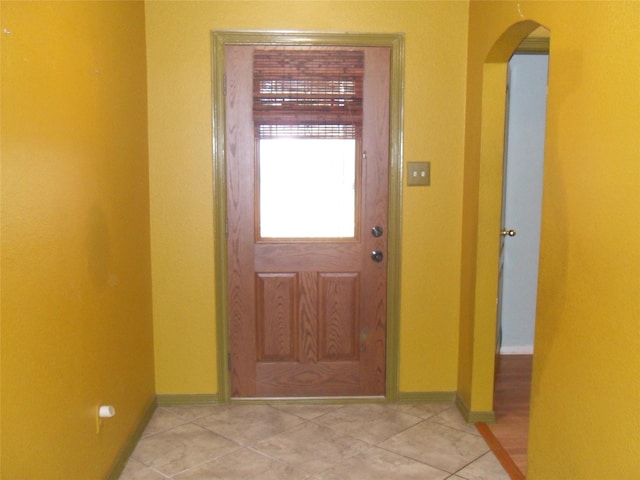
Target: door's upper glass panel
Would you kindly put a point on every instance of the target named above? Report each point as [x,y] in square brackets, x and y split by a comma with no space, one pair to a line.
[307,188]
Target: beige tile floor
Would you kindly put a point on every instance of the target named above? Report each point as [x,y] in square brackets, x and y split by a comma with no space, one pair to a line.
[312,442]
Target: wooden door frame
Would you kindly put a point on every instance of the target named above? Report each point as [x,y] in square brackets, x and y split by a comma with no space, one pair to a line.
[395,41]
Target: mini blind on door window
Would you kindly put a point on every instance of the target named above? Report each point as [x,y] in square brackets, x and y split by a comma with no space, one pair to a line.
[314,93]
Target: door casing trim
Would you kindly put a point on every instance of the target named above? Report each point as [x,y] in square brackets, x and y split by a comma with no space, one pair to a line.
[395,41]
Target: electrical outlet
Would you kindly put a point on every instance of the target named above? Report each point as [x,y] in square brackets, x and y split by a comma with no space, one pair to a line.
[418,173]
[102,412]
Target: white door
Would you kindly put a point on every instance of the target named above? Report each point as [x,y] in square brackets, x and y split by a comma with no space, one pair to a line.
[522,200]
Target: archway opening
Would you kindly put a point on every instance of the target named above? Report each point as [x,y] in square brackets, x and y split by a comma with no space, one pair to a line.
[525,37]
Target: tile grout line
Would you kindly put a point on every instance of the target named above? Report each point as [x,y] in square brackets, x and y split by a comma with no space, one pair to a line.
[426,420]
[471,462]
[212,459]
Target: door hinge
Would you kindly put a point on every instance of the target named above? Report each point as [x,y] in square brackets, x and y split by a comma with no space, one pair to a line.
[224,84]
[229,361]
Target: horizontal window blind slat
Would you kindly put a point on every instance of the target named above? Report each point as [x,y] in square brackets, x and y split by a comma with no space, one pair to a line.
[309,131]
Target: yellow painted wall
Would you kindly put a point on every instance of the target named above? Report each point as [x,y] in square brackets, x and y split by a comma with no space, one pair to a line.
[76,306]
[180,165]
[586,380]
[0,245]
[76,300]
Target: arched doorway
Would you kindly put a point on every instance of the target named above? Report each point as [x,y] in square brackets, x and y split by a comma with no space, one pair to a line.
[491,226]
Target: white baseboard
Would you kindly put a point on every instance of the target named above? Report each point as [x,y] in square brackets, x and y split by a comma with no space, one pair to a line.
[517,350]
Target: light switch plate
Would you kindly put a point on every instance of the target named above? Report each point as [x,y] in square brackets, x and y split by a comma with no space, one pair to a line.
[418,173]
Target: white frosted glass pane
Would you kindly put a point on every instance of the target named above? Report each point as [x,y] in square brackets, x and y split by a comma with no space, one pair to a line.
[307,188]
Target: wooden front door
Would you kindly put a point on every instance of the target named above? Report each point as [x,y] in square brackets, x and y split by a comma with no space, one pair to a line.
[306,296]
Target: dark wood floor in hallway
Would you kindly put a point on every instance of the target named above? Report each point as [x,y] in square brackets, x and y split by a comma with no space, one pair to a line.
[509,435]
